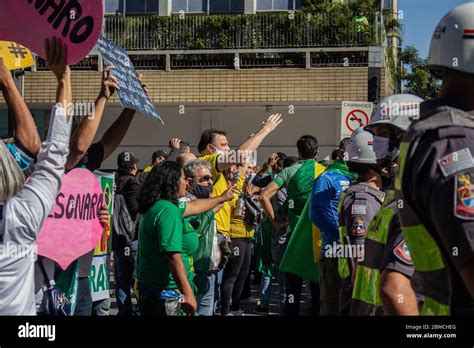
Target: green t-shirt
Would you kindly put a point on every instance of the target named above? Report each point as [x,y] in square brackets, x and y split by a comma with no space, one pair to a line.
[284,177]
[361,23]
[163,229]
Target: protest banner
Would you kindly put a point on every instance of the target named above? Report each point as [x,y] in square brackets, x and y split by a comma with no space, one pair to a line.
[73,228]
[100,268]
[131,93]
[78,23]
[15,56]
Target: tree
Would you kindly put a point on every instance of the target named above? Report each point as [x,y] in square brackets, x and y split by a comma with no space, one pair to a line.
[416,76]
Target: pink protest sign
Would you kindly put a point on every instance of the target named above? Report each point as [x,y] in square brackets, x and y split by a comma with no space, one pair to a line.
[78,23]
[73,228]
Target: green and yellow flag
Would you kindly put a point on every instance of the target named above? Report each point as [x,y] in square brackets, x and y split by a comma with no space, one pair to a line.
[304,248]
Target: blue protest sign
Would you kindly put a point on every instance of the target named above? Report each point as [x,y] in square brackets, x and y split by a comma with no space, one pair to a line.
[131,93]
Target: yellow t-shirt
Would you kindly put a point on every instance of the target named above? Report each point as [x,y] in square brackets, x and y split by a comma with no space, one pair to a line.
[238,229]
[147,169]
[220,185]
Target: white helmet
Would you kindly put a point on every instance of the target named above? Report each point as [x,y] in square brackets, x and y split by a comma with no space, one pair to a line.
[398,110]
[360,148]
[452,44]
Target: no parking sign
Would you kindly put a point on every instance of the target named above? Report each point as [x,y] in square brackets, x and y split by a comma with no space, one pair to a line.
[354,115]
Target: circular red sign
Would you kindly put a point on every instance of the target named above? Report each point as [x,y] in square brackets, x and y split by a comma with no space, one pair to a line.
[352,116]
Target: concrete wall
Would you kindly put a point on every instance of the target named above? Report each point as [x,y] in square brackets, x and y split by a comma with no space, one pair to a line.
[147,135]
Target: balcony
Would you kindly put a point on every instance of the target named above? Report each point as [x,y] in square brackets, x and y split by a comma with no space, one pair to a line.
[237,32]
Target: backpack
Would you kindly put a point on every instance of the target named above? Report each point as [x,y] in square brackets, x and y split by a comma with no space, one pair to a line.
[54,302]
[123,226]
[253,210]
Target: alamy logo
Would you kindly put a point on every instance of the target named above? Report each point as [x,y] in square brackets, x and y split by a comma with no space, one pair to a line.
[37,331]
[76,109]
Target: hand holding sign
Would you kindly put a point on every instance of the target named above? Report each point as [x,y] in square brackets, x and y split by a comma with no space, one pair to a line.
[77,22]
[109,83]
[56,55]
[132,93]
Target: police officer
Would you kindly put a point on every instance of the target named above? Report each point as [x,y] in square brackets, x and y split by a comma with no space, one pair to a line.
[436,175]
[384,277]
[358,206]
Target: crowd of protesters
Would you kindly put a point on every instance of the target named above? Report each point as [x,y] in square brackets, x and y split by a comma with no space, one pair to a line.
[205,224]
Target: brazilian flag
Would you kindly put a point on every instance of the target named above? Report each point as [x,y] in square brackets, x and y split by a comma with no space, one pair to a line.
[303,250]
[304,247]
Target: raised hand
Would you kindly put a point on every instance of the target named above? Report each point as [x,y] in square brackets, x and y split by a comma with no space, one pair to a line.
[272,122]
[175,143]
[56,54]
[109,83]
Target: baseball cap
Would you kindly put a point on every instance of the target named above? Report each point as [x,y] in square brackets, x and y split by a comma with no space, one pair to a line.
[126,158]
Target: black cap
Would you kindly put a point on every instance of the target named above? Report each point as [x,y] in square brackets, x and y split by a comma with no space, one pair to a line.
[158,153]
[126,158]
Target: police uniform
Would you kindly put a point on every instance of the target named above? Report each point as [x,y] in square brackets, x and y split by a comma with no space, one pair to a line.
[436,185]
[396,256]
[365,296]
[358,207]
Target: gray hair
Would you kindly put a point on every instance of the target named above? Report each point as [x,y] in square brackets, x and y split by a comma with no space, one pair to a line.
[11,176]
[190,168]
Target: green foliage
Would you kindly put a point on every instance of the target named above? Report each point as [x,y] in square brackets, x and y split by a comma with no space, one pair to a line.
[329,25]
[416,76]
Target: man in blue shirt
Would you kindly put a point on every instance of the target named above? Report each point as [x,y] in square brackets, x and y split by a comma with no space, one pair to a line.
[325,195]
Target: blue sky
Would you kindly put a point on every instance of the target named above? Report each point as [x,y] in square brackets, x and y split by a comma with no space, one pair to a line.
[420,18]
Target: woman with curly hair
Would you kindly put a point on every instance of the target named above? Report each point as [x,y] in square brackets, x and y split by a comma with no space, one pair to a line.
[167,243]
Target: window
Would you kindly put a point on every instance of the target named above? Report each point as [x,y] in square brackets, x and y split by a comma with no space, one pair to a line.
[387,4]
[141,6]
[219,6]
[189,6]
[113,6]
[275,5]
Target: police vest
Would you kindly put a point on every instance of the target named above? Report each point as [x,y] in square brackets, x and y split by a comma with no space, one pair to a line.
[427,257]
[365,295]
[354,192]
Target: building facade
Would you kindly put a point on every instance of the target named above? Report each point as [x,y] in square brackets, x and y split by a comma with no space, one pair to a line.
[229,64]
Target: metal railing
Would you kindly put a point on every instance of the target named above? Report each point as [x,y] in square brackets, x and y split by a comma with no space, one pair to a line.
[270,30]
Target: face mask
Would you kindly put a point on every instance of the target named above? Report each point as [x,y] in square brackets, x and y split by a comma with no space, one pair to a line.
[380,146]
[235,176]
[201,191]
[216,150]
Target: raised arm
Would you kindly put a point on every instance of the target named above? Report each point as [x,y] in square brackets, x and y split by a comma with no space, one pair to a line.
[199,206]
[34,202]
[26,133]
[84,134]
[254,141]
[116,132]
